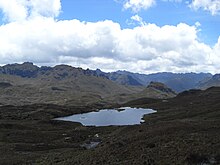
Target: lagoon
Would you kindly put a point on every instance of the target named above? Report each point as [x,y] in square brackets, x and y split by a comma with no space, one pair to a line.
[110,117]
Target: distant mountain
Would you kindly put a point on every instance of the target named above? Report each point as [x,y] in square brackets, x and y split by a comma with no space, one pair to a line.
[27,84]
[211,82]
[29,70]
[123,79]
[176,81]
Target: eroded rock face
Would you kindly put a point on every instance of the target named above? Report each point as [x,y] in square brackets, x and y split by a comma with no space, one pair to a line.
[160,86]
[26,69]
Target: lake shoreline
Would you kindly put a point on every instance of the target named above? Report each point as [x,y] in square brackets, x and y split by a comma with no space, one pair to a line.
[185,130]
[110,117]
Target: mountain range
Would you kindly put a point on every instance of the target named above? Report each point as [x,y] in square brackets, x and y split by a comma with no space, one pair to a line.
[27,84]
[210,82]
[62,84]
[184,130]
[177,81]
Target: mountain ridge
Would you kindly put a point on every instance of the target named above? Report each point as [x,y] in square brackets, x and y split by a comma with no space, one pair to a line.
[62,84]
[214,81]
[179,82]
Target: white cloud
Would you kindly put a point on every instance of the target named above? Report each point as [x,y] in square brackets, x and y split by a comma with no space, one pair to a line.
[49,8]
[146,48]
[172,1]
[138,19]
[137,5]
[105,45]
[213,6]
[197,24]
[14,10]
[20,10]
[215,56]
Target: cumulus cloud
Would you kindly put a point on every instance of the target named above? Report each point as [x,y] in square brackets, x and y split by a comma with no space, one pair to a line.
[19,10]
[213,6]
[104,44]
[215,56]
[137,5]
[14,10]
[145,48]
[49,8]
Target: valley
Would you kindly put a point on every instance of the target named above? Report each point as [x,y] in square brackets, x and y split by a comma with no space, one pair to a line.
[184,130]
[109,82]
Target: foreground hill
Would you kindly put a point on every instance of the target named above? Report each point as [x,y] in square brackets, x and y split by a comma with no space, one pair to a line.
[185,130]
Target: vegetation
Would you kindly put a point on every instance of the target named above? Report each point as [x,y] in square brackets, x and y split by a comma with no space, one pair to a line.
[185,129]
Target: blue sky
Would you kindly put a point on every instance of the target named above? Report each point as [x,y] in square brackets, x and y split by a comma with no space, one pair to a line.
[163,13]
[143,36]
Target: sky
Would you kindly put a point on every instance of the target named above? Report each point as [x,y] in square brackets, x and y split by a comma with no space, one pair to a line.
[144,36]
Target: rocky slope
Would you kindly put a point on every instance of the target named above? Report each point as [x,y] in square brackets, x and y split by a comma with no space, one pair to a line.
[158,90]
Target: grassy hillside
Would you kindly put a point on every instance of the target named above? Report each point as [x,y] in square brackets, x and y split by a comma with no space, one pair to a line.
[185,130]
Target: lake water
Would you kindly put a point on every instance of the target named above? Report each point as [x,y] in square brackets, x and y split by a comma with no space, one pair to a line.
[107,117]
